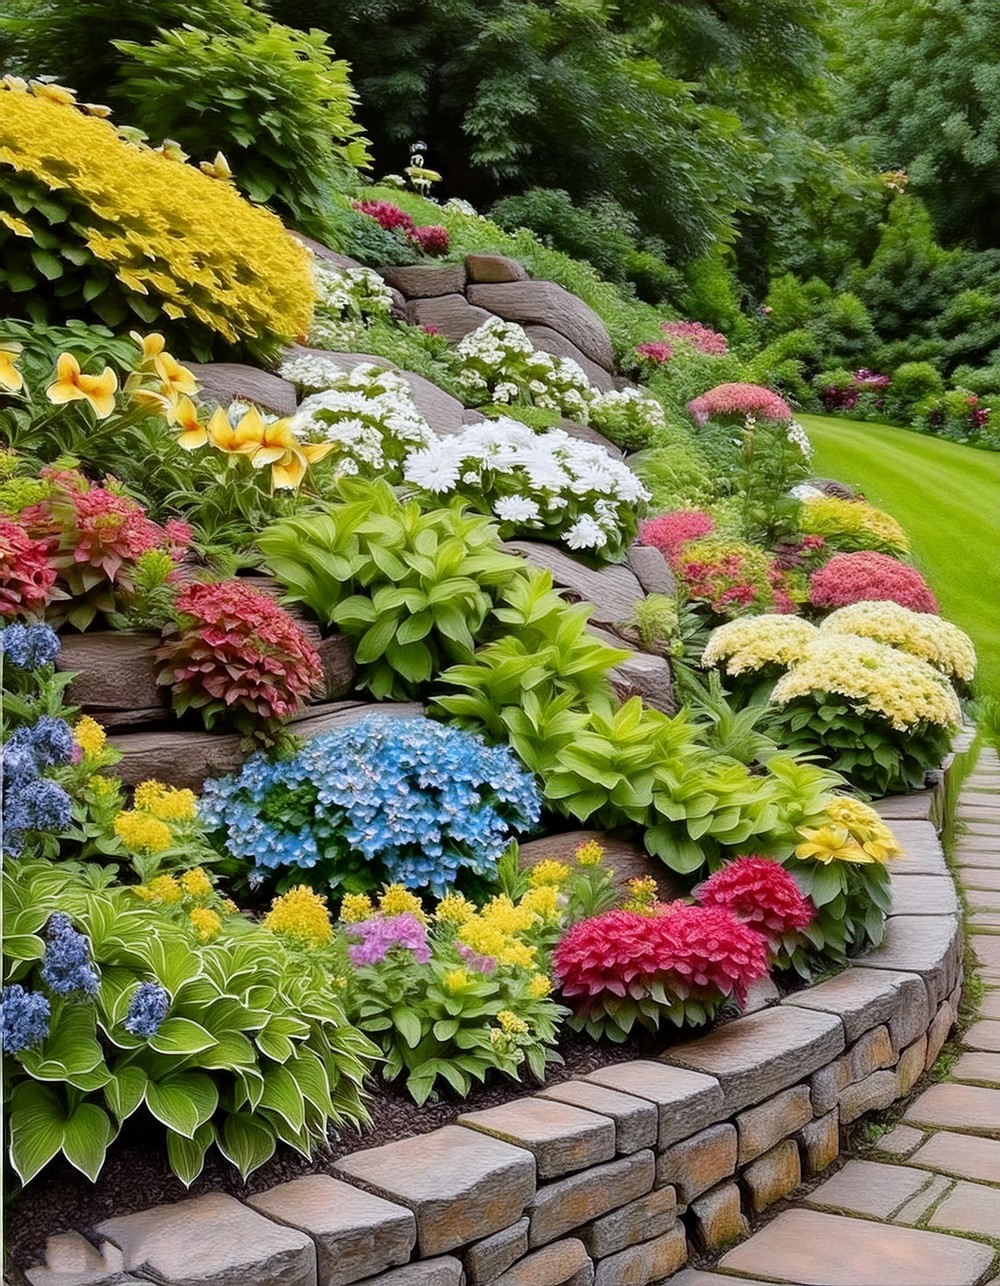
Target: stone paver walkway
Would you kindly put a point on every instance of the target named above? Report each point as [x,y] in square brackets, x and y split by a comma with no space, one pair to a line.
[927,1212]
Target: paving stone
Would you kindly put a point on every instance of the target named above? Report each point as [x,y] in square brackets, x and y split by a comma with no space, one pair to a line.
[563,1263]
[869,1188]
[543,303]
[871,1053]
[651,1262]
[978,879]
[686,1101]
[901,1140]
[762,1126]
[924,944]
[990,1005]
[969,1207]
[460,1184]
[820,1142]
[649,1216]
[755,1057]
[962,1107]
[716,1219]
[445,1270]
[49,1277]
[493,269]
[421,281]
[568,1203]
[873,1094]
[912,1065]
[915,808]
[550,341]
[772,1176]
[923,895]
[695,1277]
[827,1085]
[71,1260]
[485,1260]
[864,998]
[990,922]
[356,1234]
[817,1249]
[984,1035]
[562,1138]
[978,899]
[977,1067]
[964,1155]
[922,852]
[697,1164]
[451,315]
[212,1239]
[926,1199]
[938,1033]
[635,1118]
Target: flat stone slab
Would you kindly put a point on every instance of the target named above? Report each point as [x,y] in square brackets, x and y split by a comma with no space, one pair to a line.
[696,1277]
[422,281]
[921,849]
[613,591]
[978,1067]
[923,894]
[652,569]
[213,1239]
[460,1184]
[912,808]
[864,998]
[958,1107]
[984,1035]
[563,1138]
[870,1188]
[487,1259]
[990,1006]
[816,1249]
[686,1101]
[979,899]
[635,1118]
[979,878]
[987,948]
[924,944]
[966,1155]
[493,269]
[969,1207]
[446,1270]
[900,1141]
[451,315]
[755,1057]
[225,382]
[356,1234]
[543,303]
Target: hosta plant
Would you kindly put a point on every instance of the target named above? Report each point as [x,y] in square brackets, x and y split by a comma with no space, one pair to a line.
[113,1007]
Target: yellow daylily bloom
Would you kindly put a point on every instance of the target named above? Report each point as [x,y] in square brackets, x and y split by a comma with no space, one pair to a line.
[155,401]
[10,377]
[71,385]
[217,169]
[54,93]
[176,378]
[193,433]
[152,345]
[288,457]
[828,844]
[224,437]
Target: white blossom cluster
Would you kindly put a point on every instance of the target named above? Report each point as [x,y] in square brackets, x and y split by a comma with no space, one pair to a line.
[627,416]
[798,437]
[369,412]
[499,363]
[548,483]
[459,206]
[347,299]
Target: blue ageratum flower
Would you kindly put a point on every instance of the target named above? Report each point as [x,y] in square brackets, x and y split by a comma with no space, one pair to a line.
[29,646]
[418,801]
[66,967]
[147,1009]
[24,1019]
[30,802]
[48,739]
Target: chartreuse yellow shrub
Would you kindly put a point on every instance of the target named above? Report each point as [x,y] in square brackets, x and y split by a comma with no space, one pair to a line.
[851,525]
[95,223]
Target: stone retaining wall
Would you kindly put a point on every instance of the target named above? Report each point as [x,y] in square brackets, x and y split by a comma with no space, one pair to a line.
[607,1180]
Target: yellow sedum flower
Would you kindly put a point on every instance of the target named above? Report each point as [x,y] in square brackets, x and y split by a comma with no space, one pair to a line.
[102,786]
[396,900]
[301,914]
[548,871]
[356,907]
[165,888]
[542,901]
[643,894]
[168,803]
[750,643]
[454,909]
[206,923]
[455,981]
[928,637]
[511,1024]
[71,385]
[590,854]
[230,907]
[487,939]
[11,378]
[539,987]
[196,883]
[502,914]
[89,736]
[140,832]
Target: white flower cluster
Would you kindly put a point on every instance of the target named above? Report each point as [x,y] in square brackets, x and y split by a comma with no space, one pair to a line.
[347,299]
[369,412]
[550,483]
[499,363]
[627,416]
[798,437]
[460,207]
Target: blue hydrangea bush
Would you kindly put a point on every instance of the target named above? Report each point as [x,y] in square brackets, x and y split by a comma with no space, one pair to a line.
[385,801]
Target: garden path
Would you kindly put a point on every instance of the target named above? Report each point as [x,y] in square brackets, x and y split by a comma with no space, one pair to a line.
[927,1213]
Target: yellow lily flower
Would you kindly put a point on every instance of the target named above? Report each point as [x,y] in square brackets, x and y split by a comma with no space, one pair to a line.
[243,440]
[828,844]
[10,377]
[152,345]
[70,385]
[185,415]
[217,169]
[288,457]
[176,378]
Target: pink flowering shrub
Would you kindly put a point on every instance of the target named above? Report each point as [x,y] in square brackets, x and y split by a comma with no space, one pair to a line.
[27,577]
[700,337]
[737,401]
[869,576]
[623,968]
[657,353]
[432,239]
[237,656]
[672,531]
[761,893]
[732,578]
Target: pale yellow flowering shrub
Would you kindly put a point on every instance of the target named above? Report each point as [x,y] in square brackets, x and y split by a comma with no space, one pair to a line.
[852,525]
[930,638]
[750,643]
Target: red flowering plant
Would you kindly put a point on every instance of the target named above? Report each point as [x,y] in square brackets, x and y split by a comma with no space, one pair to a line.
[656,353]
[27,577]
[237,657]
[732,578]
[96,536]
[761,893]
[867,576]
[432,239]
[699,337]
[731,403]
[670,532]
[626,967]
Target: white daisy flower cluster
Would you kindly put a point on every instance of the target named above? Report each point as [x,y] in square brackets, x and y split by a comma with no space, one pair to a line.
[369,412]
[499,363]
[627,416]
[347,300]
[548,484]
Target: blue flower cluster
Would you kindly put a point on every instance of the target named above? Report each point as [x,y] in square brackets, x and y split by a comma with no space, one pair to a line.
[147,1009]
[29,646]
[32,802]
[66,966]
[24,1019]
[415,800]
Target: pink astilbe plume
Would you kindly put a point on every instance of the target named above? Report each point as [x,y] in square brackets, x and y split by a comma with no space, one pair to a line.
[737,401]
[655,352]
[671,531]
[703,338]
[869,576]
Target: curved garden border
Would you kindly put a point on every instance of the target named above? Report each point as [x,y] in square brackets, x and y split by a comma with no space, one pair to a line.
[601,1180]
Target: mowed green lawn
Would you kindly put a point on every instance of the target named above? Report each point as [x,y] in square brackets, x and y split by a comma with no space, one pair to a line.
[947,497]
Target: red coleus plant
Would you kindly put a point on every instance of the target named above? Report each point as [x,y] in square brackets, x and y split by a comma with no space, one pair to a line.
[728,402]
[671,531]
[624,968]
[761,893]
[868,576]
[432,239]
[237,657]
[27,577]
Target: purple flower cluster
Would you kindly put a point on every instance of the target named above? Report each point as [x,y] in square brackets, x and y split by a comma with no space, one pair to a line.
[481,964]
[29,646]
[383,932]
[66,966]
[147,1009]
[24,1019]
